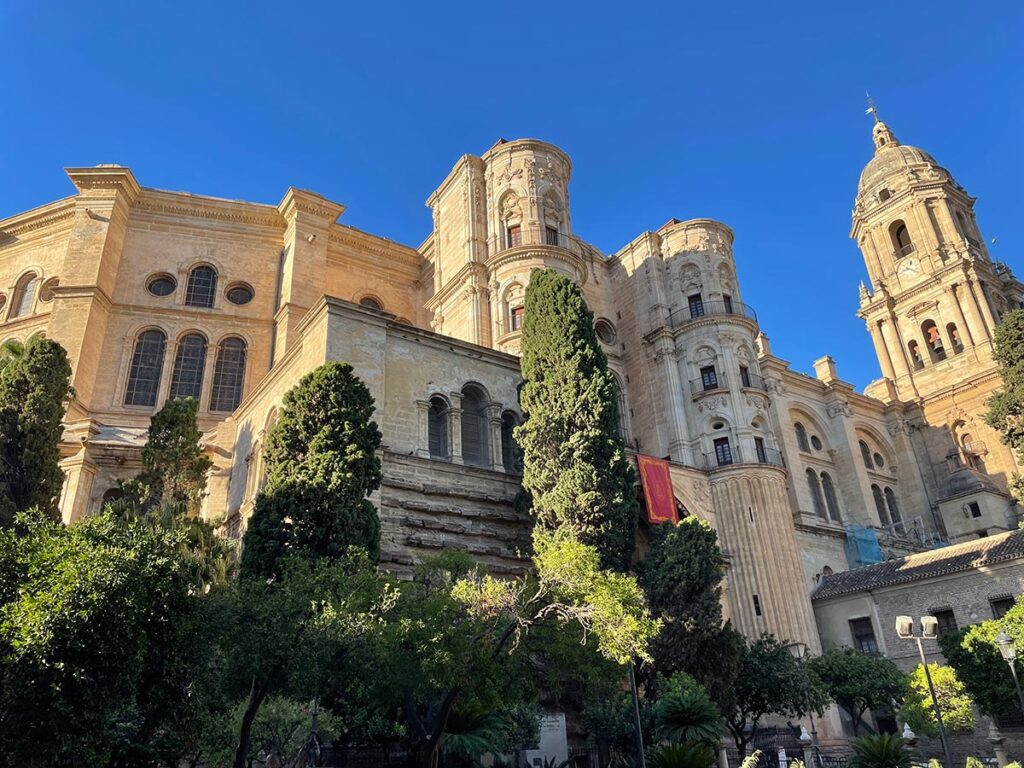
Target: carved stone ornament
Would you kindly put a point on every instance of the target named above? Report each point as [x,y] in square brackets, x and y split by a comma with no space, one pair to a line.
[834,409]
[712,404]
[924,306]
[550,172]
[702,489]
[510,206]
[775,386]
[900,427]
[510,173]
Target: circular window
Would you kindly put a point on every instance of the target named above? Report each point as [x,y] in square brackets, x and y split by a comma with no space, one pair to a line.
[46,292]
[816,442]
[717,425]
[161,285]
[605,331]
[879,461]
[239,293]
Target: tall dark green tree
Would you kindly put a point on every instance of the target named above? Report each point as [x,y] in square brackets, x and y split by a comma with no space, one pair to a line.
[682,576]
[322,464]
[574,464]
[1006,407]
[34,391]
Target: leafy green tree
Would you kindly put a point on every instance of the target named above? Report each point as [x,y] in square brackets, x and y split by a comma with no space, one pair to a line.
[859,681]
[973,653]
[1006,407]
[682,577]
[34,392]
[321,466]
[917,708]
[94,635]
[770,681]
[575,468]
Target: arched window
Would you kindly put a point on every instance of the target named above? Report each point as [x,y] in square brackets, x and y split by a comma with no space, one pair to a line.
[816,498]
[865,454]
[620,400]
[437,428]
[801,437]
[901,239]
[111,495]
[24,295]
[915,355]
[510,458]
[189,362]
[933,340]
[831,500]
[883,516]
[146,367]
[890,503]
[955,341]
[371,303]
[202,287]
[228,375]
[474,427]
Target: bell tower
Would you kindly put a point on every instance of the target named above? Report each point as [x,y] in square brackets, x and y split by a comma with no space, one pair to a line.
[935,295]
[934,301]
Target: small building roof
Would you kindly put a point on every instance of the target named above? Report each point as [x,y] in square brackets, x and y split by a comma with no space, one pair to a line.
[924,565]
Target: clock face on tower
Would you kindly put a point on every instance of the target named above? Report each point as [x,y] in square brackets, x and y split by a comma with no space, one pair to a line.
[908,268]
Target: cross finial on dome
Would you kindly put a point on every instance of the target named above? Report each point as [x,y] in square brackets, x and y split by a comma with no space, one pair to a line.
[872,109]
[880,133]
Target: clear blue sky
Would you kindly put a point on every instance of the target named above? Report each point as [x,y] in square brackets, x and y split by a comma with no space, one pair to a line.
[751,113]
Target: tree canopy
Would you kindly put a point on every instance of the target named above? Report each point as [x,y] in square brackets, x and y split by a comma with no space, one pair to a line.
[34,391]
[859,681]
[1006,407]
[575,468]
[955,703]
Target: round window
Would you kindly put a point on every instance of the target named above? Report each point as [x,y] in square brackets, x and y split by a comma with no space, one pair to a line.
[240,293]
[879,461]
[605,331]
[717,425]
[161,285]
[816,442]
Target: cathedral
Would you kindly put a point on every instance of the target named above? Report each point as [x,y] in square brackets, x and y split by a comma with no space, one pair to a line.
[158,294]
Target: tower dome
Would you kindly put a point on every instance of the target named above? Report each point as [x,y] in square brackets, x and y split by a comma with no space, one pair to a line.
[892,159]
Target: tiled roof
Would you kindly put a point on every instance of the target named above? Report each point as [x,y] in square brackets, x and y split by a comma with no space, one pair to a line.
[924,565]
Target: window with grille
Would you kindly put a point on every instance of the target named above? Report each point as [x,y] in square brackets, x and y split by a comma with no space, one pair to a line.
[146,367]
[437,428]
[709,377]
[757,605]
[551,236]
[696,303]
[24,296]
[189,362]
[510,458]
[228,375]
[1000,605]
[863,635]
[202,287]
[723,451]
[517,318]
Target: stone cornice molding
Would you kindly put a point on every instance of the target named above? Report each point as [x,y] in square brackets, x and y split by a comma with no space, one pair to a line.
[543,252]
[454,284]
[184,205]
[106,178]
[38,218]
[297,201]
[365,242]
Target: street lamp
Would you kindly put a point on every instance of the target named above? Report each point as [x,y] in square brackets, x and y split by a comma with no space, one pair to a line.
[800,651]
[929,631]
[1009,653]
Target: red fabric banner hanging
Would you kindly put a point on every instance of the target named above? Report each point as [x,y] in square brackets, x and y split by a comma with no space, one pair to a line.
[657,483]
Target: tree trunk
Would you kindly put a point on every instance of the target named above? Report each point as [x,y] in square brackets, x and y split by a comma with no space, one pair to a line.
[256,695]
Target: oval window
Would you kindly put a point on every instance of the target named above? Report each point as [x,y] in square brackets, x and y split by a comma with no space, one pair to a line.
[605,331]
[161,285]
[240,293]
[816,442]
[879,461]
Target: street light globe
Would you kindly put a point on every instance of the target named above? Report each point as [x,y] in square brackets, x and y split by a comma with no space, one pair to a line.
[1006,646]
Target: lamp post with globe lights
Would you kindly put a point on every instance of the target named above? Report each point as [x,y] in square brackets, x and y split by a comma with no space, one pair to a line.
[1008,650]
[929,631]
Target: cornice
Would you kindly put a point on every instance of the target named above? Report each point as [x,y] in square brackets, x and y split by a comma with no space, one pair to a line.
[365,242]
[37,218]
[115,178]
[185,205]
[303,201]
[524,252]
[456,283]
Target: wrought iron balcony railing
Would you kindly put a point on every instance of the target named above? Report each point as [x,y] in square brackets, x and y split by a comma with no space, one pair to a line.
[697,310]
[713,382]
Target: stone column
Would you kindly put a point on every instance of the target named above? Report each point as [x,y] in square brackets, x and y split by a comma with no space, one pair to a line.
[966,337]
[881,351]
[981,306]
[494,433]
[455,427]
[665,358]
[423,423]
[167,372]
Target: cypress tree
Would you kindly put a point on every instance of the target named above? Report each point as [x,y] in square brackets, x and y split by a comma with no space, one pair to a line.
[321,465]
[34,390]
[575,468]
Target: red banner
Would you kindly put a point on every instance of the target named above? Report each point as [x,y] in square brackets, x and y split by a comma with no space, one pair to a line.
[657,483]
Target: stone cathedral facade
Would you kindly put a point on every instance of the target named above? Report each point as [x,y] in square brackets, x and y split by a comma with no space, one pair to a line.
[161,294]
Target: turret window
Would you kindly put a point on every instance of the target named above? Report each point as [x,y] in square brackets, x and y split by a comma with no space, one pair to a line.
[550,236]
[516,318]
[723,451]
[696,304]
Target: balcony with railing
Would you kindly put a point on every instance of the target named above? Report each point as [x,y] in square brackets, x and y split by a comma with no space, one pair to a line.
[732,455]
[752,381]
[905,250]
[518,237]
[712,382]
[910,533]
[710,308]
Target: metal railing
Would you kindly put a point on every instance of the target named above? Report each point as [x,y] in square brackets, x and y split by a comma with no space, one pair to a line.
[911,531]
[536,236]
[906,250]
[734,455]
[752,381]
[712,383]
[697,310]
